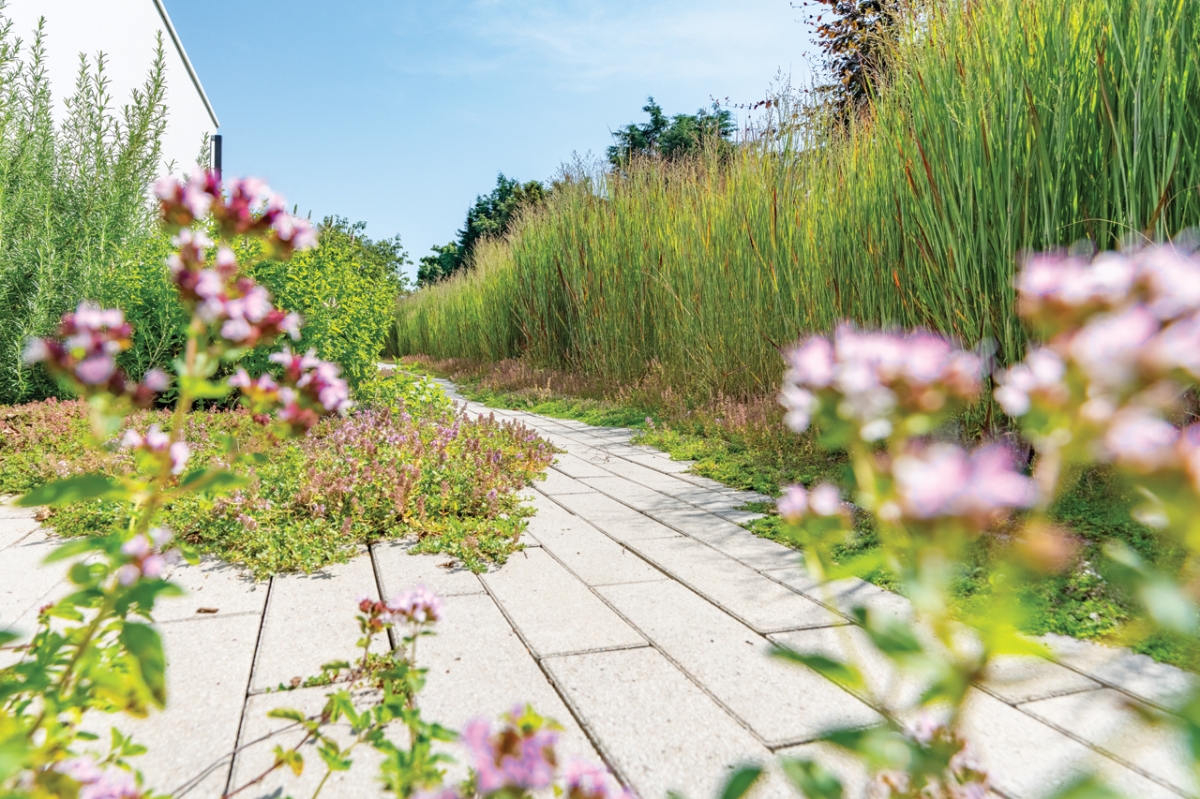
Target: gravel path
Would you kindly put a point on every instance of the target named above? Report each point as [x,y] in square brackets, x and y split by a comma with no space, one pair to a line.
[639,616]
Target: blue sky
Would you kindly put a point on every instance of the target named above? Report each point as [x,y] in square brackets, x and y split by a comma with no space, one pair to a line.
[399,112]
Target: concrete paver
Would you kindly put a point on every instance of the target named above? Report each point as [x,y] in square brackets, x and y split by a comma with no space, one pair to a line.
[781,703]
[27,581]
[208,670]
[309,621]
[577,467]
[558,483]
[16,529]
[1026,759]
[213,588]
[590,554]
[727,537]
[553,610]
[655,726]
[479,668]
[261,734]
[1135,674]
[397,569]
[619,521]
[759,601]
[1108,720]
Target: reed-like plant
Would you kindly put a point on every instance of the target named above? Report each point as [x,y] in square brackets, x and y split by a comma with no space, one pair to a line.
[1008,125]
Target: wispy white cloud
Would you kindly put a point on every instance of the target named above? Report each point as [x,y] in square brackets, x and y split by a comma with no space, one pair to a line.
[583,45]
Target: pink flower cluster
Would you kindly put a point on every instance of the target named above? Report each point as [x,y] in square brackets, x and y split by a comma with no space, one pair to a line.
[308,389]
[148,556]
[515,757]
[1142,442]
[1122,340]
[244,207]
[97,783]
[584,780]
[867,377]
[416,606]
[238,308]
[1114,326]
[943,480]
[85,354]
[157,445]
[798,502]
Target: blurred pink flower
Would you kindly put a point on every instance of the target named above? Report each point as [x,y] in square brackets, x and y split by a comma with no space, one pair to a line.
[511,758]
[943,480]
[418,605]
[586,780]
[1139,440]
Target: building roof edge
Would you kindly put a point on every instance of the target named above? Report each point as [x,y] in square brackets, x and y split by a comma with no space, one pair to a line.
[187,62]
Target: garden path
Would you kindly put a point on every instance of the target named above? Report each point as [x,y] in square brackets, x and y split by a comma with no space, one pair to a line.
[639,616]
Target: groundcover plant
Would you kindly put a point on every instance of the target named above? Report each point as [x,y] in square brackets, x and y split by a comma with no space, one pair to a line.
[94,652]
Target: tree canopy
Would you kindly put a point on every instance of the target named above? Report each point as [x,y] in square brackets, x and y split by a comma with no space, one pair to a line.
[857,40]
[670,137]
[491,216]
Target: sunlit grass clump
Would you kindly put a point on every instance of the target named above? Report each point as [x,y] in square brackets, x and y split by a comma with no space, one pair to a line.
[1009,125]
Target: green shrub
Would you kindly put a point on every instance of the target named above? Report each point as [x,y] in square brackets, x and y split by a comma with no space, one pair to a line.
[345,289]
[72,200]
[403,392]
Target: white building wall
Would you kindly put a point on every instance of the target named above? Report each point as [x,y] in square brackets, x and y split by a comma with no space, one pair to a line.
[124,30]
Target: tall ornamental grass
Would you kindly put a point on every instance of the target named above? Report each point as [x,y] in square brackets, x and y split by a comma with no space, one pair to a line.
[73,198]
[1008,125]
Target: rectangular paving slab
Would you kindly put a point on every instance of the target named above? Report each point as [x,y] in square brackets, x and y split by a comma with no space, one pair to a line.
[1156,683]
[575,466]
[16,529]
[261,734]
[845,594]
[479,668]
[886,687]
[1107,720]
[558,483]
[399,570]
[1023,679]
[554,611]
[727,537]
[1026,759]
[617,520]
[655,726]
[635,494]
[649,478]
[590,554]
[310,621]
[782,703]
[208,670]
[213,588]
[27,580]
[758,601]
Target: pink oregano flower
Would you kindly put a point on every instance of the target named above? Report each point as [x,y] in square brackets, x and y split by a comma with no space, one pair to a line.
[866,377]
[99,783]
[148,556]
[156,442]
[515,757]
[943,480]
